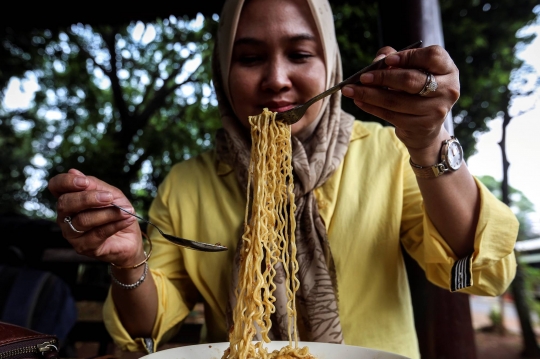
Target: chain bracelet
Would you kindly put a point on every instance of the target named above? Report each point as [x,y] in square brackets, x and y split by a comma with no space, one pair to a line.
[130,286]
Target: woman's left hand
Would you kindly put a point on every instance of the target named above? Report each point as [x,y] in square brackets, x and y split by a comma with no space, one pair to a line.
[392,94]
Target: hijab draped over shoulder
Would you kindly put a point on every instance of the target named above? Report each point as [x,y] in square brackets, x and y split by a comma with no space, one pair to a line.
[317,153]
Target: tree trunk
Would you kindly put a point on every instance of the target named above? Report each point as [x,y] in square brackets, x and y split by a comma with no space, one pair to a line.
[530,345]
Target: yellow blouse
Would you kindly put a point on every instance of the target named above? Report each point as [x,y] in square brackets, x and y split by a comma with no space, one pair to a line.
[370,204]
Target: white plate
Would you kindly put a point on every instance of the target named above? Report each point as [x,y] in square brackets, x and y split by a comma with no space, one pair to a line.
[319,350]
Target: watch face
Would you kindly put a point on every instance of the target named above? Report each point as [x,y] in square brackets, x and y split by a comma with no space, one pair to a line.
[454,155]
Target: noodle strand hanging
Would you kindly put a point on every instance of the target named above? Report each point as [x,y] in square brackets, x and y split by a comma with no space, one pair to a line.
[268,241]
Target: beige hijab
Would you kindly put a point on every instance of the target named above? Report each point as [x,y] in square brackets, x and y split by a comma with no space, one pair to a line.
[315,157]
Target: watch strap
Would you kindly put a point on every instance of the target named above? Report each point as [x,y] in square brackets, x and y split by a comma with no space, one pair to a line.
[433,171]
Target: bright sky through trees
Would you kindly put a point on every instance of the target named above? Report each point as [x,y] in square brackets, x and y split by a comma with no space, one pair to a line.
[523,137]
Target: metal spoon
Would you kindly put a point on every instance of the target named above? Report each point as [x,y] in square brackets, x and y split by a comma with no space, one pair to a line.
[295,114]
[182,242]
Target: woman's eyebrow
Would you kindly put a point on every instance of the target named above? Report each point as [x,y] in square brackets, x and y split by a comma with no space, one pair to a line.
[248,41]
[293,38]
[303,37]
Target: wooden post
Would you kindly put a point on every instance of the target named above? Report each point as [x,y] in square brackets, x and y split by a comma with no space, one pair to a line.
[443,319]
[403,22]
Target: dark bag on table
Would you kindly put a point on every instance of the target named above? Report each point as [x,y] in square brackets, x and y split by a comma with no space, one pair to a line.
[20,343]
[37,300]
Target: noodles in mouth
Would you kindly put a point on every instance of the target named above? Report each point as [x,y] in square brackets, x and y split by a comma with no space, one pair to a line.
[267,243]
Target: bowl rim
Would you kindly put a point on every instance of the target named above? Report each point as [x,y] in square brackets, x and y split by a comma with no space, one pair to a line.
[273,345]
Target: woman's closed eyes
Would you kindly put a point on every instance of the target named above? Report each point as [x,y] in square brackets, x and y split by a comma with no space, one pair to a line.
[254,59]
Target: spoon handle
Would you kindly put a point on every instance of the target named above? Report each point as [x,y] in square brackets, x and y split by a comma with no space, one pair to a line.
[128,212]
[377,65]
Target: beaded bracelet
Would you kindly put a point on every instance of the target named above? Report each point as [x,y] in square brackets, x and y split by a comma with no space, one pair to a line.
[147,256]
[130,286]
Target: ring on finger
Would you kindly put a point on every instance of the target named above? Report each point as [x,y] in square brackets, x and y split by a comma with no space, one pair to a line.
[430,85]
[68,221]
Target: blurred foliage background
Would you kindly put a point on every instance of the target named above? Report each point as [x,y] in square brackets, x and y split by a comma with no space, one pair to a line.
[124,103]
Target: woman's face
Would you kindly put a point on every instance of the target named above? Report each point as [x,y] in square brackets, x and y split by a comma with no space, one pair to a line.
[277,60]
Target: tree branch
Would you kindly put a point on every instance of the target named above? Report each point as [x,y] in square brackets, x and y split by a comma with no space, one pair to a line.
[135,167]
[111,74]
[89,56]
[505,163]
[118,94]
[148,90]
[158,100]
[153,78]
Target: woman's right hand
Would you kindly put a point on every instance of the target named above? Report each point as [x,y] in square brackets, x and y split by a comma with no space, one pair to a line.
[108,234]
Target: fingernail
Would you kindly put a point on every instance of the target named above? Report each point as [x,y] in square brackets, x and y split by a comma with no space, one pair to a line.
[381,56]
[130,210]
[80,181]
[76,171]
[366,78]
[392,60]
[347,91]
[104,196]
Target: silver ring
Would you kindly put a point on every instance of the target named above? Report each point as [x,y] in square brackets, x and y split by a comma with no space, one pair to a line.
[430,85]
[68,221]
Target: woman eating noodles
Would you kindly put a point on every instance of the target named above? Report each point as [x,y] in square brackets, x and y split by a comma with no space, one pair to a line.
[361,191]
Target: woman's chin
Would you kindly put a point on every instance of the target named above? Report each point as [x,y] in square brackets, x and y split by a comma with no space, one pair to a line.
[304,128]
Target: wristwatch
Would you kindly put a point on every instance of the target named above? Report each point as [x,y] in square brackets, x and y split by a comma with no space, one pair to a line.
[451,158]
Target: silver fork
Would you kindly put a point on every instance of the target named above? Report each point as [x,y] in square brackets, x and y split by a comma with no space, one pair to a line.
[295,114]
[182,242]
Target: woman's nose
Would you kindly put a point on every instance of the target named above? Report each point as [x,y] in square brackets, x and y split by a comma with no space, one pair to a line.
[277,77]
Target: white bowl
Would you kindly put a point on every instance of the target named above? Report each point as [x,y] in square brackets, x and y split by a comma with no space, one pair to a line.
[319,350]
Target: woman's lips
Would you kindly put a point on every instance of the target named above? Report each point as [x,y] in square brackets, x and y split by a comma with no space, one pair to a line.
[279,107]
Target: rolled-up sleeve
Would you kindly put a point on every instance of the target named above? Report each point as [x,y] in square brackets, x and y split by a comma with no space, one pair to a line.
[488,271]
